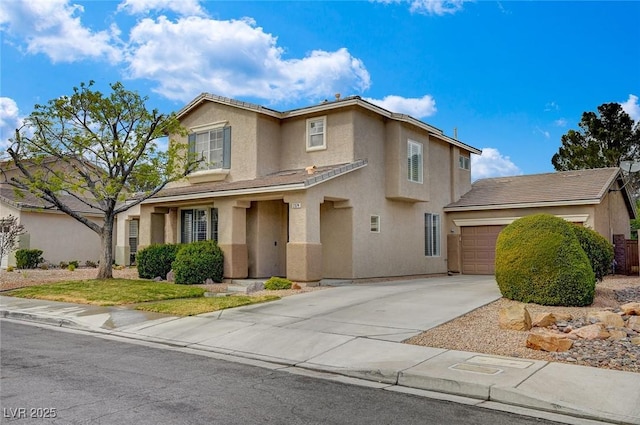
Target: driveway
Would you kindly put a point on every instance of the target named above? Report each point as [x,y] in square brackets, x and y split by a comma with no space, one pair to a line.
[391,311]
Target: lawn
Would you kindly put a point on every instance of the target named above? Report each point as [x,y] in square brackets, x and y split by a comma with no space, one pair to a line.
[191,307]
[161,297]
[107,292]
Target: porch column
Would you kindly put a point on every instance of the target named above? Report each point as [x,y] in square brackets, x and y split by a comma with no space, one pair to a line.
[304,250]
[232,237]
[123,251]
[171,226]
[151,225]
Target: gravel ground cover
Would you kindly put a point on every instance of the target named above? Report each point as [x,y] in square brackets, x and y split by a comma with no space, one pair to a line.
[478,331]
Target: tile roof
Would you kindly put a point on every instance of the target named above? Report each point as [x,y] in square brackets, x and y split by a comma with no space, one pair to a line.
[26,200]
[565,187]
[299,178]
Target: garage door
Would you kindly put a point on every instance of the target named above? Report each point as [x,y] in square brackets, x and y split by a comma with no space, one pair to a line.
[479,249]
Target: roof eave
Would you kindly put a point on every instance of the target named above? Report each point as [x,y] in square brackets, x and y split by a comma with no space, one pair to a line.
[522,205]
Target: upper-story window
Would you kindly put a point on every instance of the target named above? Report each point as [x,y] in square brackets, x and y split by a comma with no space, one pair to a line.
[316,133]
[414,161]
[465,162]
[213,146]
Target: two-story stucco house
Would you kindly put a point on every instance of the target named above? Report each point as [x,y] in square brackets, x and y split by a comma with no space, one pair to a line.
[342,189]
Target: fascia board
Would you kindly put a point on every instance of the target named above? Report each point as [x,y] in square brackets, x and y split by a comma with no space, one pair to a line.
[523,205]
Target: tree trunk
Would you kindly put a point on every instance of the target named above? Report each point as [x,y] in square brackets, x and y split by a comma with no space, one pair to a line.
[105,270]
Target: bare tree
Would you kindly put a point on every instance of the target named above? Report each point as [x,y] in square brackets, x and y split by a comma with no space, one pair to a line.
[10,231]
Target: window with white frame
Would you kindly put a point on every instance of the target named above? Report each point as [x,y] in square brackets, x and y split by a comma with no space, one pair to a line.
[375,224]
[431,235]
[414,161]
[465,162]
[316,133]
[198,225]
[213,147]
[134,224]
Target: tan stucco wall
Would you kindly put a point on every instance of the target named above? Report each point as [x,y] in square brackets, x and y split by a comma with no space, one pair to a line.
[612,216]
[339,136]
[60,237]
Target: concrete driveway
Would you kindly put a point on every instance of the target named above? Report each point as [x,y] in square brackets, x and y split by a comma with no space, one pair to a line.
[391,311]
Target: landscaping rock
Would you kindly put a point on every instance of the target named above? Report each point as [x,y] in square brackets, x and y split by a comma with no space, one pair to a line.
[209,281]
[548,341]
[157,279]
[563,317]
[542,320]
[515,317]
[609,318]
[631,309]
[617,334]
[595,331]
[171,276]
[635,340]
[634,323]
[255,287]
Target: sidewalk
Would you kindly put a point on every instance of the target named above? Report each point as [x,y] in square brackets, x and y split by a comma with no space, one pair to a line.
[275,333]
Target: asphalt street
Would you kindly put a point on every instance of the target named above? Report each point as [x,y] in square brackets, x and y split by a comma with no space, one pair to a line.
[55,377]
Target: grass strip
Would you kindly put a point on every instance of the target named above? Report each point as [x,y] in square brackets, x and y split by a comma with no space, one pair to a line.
[192,307]
[107,292]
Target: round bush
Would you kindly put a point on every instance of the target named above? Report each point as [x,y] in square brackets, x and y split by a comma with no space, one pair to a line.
[155,260]
[277,283]
[539,260]
[597,248]
[197,262]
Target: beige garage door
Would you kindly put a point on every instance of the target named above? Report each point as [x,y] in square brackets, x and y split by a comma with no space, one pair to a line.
[479,249]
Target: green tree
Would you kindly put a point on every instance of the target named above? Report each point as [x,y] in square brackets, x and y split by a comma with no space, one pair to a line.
[604,139]
[103,145]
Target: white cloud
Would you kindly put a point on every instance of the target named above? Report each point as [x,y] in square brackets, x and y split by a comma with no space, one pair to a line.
[424,106]
[181,7]
[235,58]
[10,120]
[561,122]
[53,28]
[431,7]
[631,107]
[551,106]
[492,164]
[545,133]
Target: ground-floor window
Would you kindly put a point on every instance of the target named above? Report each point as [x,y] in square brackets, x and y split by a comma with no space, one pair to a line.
[133,239]
[198,225]
[432,235]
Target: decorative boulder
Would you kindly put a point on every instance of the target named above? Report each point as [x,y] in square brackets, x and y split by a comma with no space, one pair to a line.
[609,318]
[515,317]
[595,331]
[548,341]
[631,309]
[542,320]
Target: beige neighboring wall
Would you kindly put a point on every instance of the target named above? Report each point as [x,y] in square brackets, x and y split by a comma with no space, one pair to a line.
[60,237]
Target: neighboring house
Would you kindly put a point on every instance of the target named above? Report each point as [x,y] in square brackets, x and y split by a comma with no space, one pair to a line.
[595,198]
[342,189]
[60,237]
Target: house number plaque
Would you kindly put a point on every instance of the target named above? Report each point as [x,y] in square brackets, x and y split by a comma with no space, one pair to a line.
[296,205]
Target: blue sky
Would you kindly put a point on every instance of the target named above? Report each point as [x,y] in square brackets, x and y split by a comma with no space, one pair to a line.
[511,76]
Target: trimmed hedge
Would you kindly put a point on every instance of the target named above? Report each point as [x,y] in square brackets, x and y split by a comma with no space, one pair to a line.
[277,283]
[597,248]
[28,258]
[539,260]
[155,260]
[197,262]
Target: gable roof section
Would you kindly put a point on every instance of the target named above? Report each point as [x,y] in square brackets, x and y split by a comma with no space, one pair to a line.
[28,201]
[579,187]
[324,107]
[277,182]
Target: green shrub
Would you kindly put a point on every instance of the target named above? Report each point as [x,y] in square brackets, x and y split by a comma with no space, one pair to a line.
[71,267]
[155,260]
[28,258]
[10,268]
[74,263]
[63,264]
[197,262]
[91,264]
[539,260]
[277,283]
[598,250]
